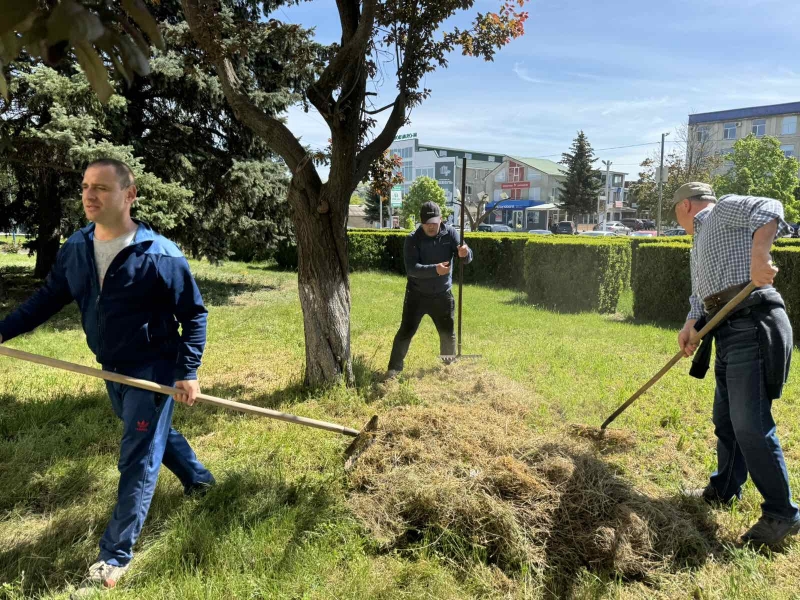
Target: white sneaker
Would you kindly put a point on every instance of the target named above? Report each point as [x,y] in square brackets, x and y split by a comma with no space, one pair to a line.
[101,575]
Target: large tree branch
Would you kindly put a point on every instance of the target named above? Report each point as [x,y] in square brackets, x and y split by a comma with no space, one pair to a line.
[353,49]
[384,139]
[199,13]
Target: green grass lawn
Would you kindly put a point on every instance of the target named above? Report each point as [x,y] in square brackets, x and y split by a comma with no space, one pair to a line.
[277,525]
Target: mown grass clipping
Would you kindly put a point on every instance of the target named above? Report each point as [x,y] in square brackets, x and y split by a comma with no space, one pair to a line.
[469,480]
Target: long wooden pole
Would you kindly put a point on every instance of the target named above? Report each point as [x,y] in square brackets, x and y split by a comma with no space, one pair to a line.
[171,391]
[672,361]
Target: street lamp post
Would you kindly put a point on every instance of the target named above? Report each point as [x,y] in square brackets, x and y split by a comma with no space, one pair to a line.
[661,183]
[607,163]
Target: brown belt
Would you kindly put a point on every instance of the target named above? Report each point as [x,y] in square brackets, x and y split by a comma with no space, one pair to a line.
[714,302]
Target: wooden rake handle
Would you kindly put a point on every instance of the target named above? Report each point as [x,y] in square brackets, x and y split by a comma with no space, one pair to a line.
[171,391]
[700,335]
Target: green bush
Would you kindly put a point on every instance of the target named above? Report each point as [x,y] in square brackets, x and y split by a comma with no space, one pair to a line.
[573,275]
[783,242]
[662,282]
[377,250]
[787,281]
[637,242]
[499,259]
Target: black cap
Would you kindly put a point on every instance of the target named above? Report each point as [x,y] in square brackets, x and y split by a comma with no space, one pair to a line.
[430,213]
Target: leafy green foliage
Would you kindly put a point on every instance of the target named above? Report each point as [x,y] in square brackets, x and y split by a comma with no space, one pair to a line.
[424,189]
[49,30]
[761,169]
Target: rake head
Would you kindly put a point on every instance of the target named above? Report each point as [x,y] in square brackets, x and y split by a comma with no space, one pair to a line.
[364,439]
[449,359]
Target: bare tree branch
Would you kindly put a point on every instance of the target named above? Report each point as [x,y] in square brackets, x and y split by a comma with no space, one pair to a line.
[383,140]
[380,110]
[320,93]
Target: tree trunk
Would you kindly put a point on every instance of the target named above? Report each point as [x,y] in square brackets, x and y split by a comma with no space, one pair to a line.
[324,285]
[48,226]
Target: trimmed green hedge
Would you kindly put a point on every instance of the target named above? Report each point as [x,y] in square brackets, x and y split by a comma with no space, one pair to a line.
[661,282]
[573,275]
[787,281]
[499,259]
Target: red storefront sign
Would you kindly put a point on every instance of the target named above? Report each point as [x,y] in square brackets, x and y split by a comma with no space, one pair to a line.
[517,185]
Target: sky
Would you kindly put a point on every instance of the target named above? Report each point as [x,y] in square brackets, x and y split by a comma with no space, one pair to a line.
[623,71]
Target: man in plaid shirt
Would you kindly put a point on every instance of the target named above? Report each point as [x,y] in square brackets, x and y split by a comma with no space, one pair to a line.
[731,246]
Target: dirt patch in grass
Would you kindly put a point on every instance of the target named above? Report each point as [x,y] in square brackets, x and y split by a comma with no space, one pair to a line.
[462,475]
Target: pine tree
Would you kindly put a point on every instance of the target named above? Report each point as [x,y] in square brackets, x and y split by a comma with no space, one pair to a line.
[581,187]
[372,207]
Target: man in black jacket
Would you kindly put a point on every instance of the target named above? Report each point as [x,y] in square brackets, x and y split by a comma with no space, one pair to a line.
[428,254]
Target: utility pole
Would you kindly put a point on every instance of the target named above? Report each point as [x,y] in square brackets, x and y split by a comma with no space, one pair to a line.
[607,163]
[661,183]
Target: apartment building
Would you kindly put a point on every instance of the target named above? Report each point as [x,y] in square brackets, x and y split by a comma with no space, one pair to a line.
[720,130]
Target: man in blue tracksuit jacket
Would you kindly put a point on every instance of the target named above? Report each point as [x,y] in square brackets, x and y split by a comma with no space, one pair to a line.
[134,290]
[428,252]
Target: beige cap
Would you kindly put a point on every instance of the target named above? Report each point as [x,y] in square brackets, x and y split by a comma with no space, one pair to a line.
[692,189]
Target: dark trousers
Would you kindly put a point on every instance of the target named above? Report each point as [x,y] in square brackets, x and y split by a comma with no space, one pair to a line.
[745,430]
[441,309]
[148,441]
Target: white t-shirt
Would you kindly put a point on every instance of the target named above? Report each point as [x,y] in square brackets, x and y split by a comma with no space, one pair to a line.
[106,251]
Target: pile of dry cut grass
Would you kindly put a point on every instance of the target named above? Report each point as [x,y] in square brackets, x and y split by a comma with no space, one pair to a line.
[470,480]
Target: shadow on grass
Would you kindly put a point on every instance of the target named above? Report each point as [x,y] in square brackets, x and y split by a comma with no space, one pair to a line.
[17,284]
[600,518]
[521,299]
[49,448]
[222,293]
[366,375]
[241,501]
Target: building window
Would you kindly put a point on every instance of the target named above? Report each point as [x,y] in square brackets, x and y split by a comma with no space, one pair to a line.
[536,194]
[403,153]
[491,159]
[534,175]
[789,125]
[760,127]
[516,194]
[554,194]
[408,171]
[468,155]
[617,181]
[729,132]
[514,173]
[788,150]
[443,153]
[428,172]
[469,190]
[703,134]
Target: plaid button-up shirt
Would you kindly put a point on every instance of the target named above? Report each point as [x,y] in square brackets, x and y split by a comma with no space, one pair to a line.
[723,242]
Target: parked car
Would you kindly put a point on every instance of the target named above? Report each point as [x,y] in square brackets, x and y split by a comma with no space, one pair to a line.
[566,227]
[599,234]
[495,228]
[614,226]
[676,231]
[633,224]
[649,224]
[540,232]
[644,233]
